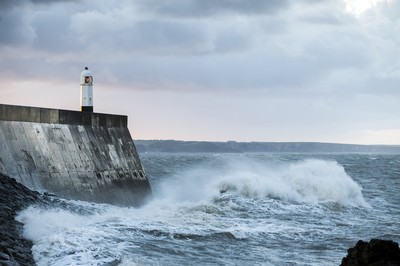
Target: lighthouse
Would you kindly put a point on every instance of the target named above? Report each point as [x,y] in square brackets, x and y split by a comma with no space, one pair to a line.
[86,91]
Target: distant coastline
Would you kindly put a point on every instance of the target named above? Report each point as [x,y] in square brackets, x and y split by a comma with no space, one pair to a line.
[238,147]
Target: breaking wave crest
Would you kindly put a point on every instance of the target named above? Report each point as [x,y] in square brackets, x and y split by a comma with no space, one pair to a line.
[308,181]
[252,205]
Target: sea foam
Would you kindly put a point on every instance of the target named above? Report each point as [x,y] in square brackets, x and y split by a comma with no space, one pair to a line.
[185,209]
[307,181]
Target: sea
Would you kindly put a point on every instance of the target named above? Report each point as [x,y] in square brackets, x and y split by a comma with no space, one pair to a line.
[230,209]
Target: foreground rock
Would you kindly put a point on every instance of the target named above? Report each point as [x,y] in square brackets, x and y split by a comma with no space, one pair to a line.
[376,252]
[14,250]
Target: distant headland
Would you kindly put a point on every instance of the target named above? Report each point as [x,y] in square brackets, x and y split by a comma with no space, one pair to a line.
[237,147]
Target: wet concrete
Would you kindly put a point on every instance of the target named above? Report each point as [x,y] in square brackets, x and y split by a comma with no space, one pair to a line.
[75,155]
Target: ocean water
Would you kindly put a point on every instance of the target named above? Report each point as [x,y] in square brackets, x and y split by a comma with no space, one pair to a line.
[230,209]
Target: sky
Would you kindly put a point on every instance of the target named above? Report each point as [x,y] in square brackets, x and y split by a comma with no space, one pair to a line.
[214,70]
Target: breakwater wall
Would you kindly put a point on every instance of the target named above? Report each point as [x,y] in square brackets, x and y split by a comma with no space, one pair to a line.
[75,155]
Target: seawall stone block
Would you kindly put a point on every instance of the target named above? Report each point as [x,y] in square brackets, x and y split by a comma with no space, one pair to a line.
[55,116]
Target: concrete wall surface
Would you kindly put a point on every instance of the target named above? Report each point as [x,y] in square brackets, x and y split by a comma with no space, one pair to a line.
[72,160]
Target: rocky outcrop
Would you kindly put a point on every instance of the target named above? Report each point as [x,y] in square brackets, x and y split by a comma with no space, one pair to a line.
[14,250]
[374,253]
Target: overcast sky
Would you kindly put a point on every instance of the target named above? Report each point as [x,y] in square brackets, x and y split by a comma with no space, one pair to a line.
[218,70]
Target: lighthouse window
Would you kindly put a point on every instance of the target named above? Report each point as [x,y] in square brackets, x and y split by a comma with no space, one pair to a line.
[88,79]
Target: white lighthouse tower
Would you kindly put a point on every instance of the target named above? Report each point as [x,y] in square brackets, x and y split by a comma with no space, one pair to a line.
[86,91]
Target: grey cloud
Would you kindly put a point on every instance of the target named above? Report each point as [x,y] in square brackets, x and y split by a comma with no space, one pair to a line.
[12,3]
[321,13]
[168,37]
[16,21]
[146,36]
[280,74]
[15,28]
[391,9]
[4,4]
[196,8]
[52,1]
[339,51]
[159,36]
[164,50]
[270,69]
[322,19]
[54,36]
[171,37]
[42,67]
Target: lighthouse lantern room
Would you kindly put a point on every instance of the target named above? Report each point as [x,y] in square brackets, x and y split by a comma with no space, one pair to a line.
[86,91]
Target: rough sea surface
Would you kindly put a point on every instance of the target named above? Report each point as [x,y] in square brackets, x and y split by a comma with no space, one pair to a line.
[230,209]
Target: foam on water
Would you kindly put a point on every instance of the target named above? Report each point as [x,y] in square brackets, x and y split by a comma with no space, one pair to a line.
[309,181]
[65,238]
[203,204]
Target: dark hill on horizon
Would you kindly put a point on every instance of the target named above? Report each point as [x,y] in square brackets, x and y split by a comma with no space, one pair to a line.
[237,147]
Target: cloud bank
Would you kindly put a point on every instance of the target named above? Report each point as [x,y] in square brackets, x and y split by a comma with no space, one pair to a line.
[246,70]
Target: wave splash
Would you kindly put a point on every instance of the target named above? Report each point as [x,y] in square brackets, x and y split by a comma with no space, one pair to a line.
[194,206]
[62,237]
[308,181]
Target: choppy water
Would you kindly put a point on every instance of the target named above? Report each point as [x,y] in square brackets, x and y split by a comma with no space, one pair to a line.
[230,209]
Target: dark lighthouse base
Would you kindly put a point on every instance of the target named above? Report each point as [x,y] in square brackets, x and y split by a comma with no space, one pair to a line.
[87,109]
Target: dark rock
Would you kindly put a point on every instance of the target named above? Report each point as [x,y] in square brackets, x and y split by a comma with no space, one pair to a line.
[14,197]
[375,253]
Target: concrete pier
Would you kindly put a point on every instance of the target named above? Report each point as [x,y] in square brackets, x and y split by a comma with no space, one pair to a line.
[75,155]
